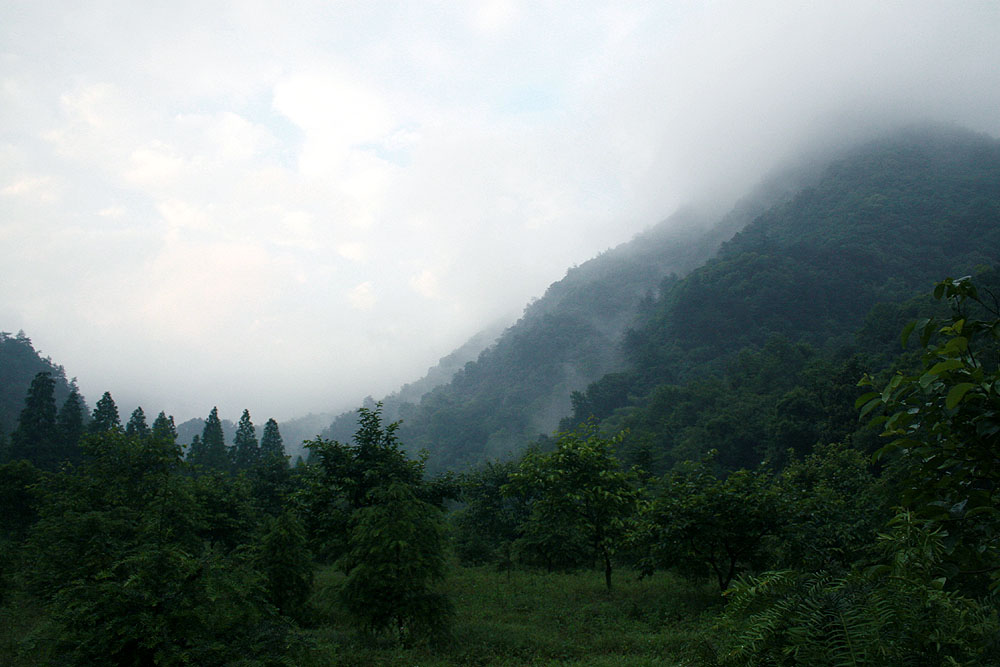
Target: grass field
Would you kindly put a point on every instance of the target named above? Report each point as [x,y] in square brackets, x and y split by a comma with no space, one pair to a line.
[515,618]
[530,618]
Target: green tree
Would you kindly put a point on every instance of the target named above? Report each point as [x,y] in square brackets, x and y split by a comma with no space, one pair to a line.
[341,477]
[489,523]
[210,451]
[286,564]
[71,423]
[164,428]
[37,435]
[395,553]
[834,506]
[271,444]
[944,425]
[704,525]
[580,487]
[271,479]
[246,452]
[118,559]
[105,417]
[136,426]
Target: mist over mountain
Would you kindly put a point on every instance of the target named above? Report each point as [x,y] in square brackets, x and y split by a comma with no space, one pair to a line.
[805,257]
[521,385]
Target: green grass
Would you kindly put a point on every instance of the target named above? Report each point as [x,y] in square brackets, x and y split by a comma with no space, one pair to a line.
[531,618]
[501,619]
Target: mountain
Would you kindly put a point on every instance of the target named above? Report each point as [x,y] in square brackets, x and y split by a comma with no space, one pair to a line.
[760,350]
[804,259]
[521,385]
[19,363]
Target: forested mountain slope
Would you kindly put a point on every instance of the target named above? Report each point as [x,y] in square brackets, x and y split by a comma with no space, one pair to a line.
[878,225]
[19,363]
[521,385]
[759,351]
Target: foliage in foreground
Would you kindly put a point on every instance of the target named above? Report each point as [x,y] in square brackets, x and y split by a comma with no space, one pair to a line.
[894,613]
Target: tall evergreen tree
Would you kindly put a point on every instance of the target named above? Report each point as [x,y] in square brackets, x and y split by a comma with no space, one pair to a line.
[105,417]
[137,426]
[211,451]
[271,444]
[70,423]
[245,450]
[37,435]
[270,476]
[196,452]
[164,428]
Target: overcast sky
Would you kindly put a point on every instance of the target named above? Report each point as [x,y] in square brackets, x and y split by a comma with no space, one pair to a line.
[288,206]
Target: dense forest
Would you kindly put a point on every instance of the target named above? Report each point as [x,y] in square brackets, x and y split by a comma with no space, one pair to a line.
[766,441]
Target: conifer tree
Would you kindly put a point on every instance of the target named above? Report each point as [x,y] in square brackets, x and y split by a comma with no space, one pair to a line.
[270,476]
[105,417]
[211,451]
[137,426]
[71,421]
[196,452]
[271,444]
[37,434]
[164,428]
[245,450]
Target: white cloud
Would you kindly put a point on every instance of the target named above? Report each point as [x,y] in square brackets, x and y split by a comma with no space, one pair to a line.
[356,252]
[426,284]
[362,296]
[154,166]
[34,187]
[337,115]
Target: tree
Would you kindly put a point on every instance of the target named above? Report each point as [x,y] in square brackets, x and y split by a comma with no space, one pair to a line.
[210,451]
[137,426]
[703,525]
[395,552]
[105,418]
[944,425]
[71,422]
[270,477]
[488,525]
[284,560]
[580,486]
[118,557]
[164,428]
[245,450]
[341,477]
[271,445]
[37,435]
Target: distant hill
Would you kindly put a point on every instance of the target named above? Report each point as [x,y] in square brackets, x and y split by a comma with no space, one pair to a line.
[342,428]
